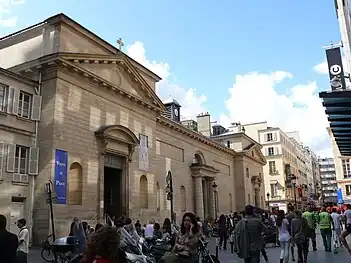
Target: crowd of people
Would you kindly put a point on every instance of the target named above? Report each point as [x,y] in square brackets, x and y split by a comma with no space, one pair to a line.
[245,233]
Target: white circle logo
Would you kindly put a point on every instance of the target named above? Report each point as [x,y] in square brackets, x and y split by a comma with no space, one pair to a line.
[335,70]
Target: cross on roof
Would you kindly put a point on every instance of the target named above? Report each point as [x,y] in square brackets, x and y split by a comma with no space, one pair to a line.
[120,43]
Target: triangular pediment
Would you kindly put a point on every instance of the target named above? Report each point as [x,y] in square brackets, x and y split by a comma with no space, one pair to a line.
[117,72]
[255,153]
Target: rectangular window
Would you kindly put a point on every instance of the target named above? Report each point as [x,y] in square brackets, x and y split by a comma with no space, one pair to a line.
[24,105]
[348,189]
[274,190]
[270,151]
[228,144]
[272,168]
[269,137]
[3,97]
[21,159]
[346,168]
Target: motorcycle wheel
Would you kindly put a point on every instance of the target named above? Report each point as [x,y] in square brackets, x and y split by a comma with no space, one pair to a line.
[47,255]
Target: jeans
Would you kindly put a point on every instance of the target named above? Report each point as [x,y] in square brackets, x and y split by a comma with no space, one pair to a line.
[302,251]
[255,258]
[326,236]
[284,250]
[313,239]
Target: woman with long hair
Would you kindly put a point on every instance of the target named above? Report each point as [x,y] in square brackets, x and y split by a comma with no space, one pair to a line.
[103,246]
[167,226]
[185,248]
[284,236]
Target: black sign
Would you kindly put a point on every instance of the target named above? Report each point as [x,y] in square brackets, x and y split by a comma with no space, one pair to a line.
[336,71]
[288,175]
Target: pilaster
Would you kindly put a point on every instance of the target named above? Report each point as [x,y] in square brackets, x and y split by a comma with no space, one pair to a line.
[199,197]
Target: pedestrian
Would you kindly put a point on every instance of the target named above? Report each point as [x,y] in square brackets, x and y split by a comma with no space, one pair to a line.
[185,248]
[77,231]
[283,236]
[103,247]
[290,215]
[248,242]
[337,222]
[299,234]
[98,226]
[8,243]
[223,232]
[326,225]
[23,241]
[149,230]
[310,217]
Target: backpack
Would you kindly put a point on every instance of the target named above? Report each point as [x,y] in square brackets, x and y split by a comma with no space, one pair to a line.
[242,240]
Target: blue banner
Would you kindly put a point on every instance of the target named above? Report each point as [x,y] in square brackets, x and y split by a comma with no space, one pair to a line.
[60,178]
[339,194]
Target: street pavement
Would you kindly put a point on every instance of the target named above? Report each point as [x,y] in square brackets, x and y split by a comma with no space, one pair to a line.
[319,256]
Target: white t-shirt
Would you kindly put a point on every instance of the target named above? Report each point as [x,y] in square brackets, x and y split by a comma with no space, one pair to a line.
[149,230]
[336,220]
[23,234]
[273,219]
[347,215]
[284,235]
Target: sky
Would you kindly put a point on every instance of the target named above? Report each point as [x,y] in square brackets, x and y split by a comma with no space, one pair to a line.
[241,61]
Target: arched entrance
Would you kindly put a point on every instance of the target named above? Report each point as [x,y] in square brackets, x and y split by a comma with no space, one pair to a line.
[116,144]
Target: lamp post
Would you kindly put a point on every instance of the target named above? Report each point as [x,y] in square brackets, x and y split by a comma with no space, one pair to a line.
[293,182]
[48,190]
[169,190]
[268,195]
[214,187]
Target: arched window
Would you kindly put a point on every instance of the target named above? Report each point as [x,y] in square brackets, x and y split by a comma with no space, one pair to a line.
[158,197]
[230,203]
[182,199]
[75,184]
[143,192]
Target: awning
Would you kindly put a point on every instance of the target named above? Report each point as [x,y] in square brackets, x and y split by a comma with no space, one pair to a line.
[338,109]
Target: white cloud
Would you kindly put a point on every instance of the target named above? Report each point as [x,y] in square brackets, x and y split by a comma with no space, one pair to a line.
[6,8]
[321,68]
[192,103]
[254,98]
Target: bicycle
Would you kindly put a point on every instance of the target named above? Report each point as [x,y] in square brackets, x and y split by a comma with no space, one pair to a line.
[46,252]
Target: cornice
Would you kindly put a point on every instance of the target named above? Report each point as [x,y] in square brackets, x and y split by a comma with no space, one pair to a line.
[55,60]
[194,135]
[18,77]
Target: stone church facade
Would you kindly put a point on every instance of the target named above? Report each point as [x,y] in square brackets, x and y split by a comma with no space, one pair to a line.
[100,107]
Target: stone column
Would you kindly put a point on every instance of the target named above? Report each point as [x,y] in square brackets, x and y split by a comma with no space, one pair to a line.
[199,197]
[205,197]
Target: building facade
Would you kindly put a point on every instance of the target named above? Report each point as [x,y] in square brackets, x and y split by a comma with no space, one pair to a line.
[286,157]
[249,163]
[328,180]
[19,116]
[107,143]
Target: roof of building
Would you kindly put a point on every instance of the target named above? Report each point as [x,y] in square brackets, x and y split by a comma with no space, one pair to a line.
[171,101]
[17,77]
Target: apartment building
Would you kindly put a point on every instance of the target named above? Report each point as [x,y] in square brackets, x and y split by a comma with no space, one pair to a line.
[19,116]
[328,179]
[285,156]
[342,172]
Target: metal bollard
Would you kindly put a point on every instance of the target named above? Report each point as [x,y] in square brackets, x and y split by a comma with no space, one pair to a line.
[217,247]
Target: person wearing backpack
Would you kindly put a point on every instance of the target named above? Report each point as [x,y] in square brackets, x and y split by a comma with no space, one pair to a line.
[326,225]
[247,238]
[300,233]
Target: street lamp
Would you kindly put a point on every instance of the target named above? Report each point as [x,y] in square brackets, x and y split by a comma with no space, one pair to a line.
[214,187]
[293,182]
[169,190]
[48,191]
[268,195]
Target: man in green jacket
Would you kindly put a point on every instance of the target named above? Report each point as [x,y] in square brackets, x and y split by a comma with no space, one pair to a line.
[312,220]
[326,225]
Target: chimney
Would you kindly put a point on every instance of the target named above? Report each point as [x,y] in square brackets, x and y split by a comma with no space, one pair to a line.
[204,124]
